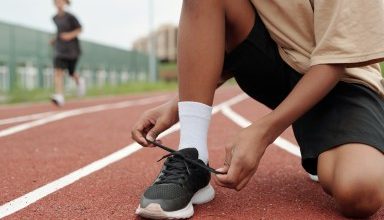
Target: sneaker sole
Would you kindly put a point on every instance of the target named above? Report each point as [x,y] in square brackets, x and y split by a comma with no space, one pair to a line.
[55,102]
[154,210]
[314,178]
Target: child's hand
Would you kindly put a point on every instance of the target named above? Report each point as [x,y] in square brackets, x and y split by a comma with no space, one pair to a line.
[66,36]
[155,121]
[243,156]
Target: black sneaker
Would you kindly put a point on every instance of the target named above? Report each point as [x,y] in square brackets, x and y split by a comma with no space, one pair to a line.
[182,182]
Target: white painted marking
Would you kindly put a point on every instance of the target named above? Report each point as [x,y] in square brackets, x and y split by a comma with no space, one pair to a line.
[242,122]
[280,142]
[80,111]
[24,118]
[32,197]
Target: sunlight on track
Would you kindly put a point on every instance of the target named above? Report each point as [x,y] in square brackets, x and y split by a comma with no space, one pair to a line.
[32,197]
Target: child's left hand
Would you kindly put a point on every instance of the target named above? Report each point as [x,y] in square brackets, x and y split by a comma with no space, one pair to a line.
[244,154]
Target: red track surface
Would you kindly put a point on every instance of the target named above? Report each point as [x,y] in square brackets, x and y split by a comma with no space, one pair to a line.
[32,158]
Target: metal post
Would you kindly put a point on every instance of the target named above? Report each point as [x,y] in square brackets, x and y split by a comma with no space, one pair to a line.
[12,58]
[152,44]
[39,61]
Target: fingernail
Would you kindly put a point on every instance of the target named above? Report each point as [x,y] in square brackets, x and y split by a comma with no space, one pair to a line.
[221,169]
[150,138]
[143,140]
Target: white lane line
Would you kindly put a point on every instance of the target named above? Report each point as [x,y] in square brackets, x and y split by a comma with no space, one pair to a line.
[32,197]
[242,122]
[280,142]
[24,118]
[79,111]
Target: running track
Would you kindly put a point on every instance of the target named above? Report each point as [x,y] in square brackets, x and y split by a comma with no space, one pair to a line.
[79,162]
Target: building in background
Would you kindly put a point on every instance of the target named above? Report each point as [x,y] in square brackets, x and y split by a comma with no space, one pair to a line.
[165,43]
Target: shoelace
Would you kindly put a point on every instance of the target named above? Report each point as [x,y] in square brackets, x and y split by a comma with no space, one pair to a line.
[185,159]
[177,169]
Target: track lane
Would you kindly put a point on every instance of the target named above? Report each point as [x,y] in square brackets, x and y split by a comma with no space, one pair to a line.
[279,190]
[80,111]
[255,110]
[17,110]
[62,160]
[36,157]
[252,110]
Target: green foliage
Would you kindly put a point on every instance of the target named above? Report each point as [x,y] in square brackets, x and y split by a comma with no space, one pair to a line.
[19,95]
[43,95]
[129,88]
[168,72]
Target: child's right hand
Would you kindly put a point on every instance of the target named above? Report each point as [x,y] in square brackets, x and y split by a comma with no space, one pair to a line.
[155,121]
[66,36]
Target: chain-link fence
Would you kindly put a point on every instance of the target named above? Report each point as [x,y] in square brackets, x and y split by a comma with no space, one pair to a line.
[26,61]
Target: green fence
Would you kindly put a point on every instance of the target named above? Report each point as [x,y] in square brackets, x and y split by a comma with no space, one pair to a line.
[26,61]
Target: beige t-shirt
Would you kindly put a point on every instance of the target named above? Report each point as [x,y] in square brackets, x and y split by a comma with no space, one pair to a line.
[312,32]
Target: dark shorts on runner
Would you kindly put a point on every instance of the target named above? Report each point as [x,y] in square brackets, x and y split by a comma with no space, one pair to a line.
[350,113]
[65,64]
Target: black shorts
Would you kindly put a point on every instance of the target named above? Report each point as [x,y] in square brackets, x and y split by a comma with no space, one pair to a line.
[350,113]
[65,64]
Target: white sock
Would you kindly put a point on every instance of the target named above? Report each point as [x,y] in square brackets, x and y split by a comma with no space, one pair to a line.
[194,123]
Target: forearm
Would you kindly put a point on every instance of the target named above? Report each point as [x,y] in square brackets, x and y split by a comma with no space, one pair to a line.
[75,33]
[312,88]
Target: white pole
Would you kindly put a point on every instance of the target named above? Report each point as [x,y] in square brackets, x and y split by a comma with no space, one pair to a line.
[152,44]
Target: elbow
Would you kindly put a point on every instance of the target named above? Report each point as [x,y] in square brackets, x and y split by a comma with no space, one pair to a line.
[337,70]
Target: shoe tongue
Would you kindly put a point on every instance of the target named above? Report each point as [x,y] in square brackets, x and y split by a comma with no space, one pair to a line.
[190,153]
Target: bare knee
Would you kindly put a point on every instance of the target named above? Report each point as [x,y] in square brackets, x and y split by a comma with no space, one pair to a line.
[59,72]
[358,197]
[240,18]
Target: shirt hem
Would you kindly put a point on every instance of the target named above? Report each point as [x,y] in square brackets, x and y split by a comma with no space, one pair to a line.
[350,60]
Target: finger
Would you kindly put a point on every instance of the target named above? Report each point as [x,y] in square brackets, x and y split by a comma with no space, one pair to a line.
[139,130]
[152,145]
[244,176]
[223,169]
[226,181]
[155,131]
[138,137]
[231,180]
[228,154]
[221,179]
[244,182]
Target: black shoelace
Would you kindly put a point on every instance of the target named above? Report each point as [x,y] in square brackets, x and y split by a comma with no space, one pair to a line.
[177,169]
[178,162]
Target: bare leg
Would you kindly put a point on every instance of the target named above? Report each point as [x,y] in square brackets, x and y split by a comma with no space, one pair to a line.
[353,174]
[59,82]
[76,78]
[205,27]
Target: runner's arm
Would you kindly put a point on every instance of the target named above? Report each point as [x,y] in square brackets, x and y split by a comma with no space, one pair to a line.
[67,36]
